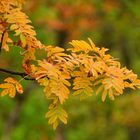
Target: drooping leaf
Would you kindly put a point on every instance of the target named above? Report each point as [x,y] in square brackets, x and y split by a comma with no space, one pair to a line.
[10,87]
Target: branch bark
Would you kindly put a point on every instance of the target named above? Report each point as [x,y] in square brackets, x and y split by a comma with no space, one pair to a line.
[21,74]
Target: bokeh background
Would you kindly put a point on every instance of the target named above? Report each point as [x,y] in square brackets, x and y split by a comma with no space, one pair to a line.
[114,24]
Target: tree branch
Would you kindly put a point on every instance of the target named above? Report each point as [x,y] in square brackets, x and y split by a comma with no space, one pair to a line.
[21,74]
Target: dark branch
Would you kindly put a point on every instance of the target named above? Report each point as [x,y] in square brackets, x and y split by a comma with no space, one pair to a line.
[22,74]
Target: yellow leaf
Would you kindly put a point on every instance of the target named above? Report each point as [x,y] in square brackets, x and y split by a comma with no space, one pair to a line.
[43,81]
[19,88]
[23,40]
[99,89]
[63,118]
[13,27]
[12,92]
[4,92]
[80,46]
[50,113]
[5,85]
[104,95]
[111,96]
[55,125]
[52,119]
[4,40]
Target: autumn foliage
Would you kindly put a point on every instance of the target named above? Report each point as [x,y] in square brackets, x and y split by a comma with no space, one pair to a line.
[82,70]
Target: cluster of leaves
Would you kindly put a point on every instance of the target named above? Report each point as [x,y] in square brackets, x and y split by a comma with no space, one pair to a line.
[10,87]
[85,68]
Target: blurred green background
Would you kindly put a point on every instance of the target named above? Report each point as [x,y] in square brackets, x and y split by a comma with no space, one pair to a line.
[114,24]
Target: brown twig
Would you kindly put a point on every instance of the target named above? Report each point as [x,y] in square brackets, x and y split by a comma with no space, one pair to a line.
[22,74]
